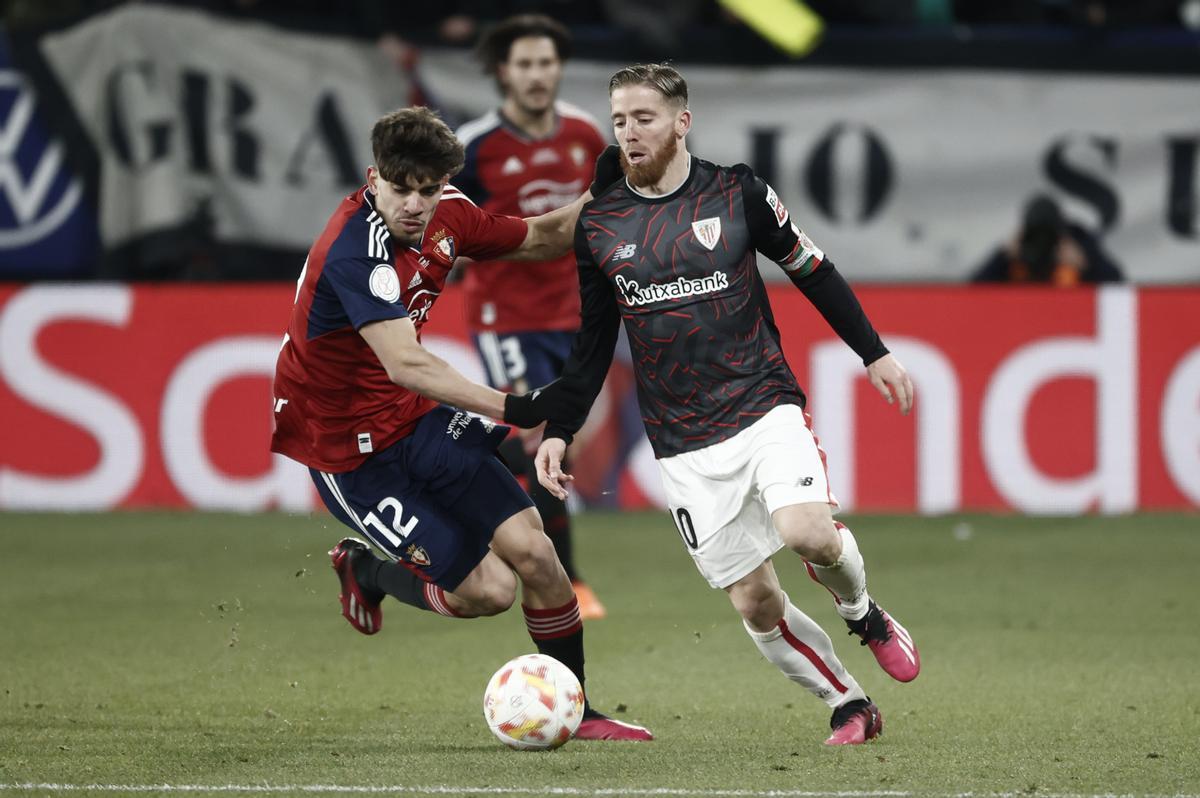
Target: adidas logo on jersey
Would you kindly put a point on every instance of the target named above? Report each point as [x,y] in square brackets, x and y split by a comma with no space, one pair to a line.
[512,166]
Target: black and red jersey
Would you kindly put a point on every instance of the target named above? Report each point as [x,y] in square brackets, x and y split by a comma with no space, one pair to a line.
[681,272]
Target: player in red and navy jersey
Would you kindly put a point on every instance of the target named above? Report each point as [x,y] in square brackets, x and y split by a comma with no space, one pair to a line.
[671,252]
[386,428]
[532,155]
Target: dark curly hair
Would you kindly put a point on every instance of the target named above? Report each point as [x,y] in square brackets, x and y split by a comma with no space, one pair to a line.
[414,143]
[496,42]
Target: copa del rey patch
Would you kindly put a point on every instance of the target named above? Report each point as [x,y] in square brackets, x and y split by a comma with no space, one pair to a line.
[384,283]
[708,231]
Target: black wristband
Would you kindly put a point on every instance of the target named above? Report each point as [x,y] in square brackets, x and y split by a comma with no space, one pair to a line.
[520,412]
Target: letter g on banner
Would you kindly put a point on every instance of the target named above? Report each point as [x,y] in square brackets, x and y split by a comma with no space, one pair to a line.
[37,194]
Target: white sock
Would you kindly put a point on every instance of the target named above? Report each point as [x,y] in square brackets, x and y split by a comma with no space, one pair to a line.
[802,650]
[846,578]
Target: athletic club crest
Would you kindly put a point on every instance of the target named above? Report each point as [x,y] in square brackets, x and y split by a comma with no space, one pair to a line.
[708,231]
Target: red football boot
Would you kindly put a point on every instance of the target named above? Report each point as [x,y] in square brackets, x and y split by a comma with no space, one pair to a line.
[595,726]
[890,642]
[363,614]
[855,722]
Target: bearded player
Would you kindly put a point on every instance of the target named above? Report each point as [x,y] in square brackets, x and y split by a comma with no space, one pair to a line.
[671,252]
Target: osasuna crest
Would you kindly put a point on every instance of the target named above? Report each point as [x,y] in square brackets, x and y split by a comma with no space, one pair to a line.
[417,555]
[708,231]
[445,248]
[384,283]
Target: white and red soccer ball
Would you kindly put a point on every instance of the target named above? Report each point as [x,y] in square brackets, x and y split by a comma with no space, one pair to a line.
[533,703]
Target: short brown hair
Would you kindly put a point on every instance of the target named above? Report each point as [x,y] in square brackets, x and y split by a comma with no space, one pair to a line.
[414,143]
[496,42]
[663,78]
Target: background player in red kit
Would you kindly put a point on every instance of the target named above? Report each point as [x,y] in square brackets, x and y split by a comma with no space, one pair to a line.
[671,252]
[376,418]
[532,155]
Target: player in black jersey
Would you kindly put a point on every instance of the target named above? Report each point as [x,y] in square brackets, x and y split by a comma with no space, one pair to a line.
[670,251]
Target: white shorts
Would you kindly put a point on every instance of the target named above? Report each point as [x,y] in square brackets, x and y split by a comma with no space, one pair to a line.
[721,497]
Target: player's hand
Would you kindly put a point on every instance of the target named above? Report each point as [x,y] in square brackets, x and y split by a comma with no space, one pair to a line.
[608,169]
[549,467]
[892,381]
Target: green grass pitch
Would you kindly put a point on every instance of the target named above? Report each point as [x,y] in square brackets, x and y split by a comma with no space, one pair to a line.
[205,653]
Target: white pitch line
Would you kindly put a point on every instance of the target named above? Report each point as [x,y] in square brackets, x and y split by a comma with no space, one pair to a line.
[574,791]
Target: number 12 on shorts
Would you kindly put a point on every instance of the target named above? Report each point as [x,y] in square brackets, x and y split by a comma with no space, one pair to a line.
[687,530]
[398,529]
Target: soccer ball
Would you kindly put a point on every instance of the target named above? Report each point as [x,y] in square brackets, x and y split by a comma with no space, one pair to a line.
[533,703]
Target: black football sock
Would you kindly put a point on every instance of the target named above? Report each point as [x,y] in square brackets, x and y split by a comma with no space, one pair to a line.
[557,522]
[379,577]
[558,632]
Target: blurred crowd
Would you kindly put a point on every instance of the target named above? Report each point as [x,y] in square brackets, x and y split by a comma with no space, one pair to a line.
[457,22]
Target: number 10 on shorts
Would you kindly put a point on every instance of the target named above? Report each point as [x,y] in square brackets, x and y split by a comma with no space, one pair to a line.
[687,530]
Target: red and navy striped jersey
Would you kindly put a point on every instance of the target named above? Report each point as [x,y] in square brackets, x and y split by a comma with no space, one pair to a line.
[334,403]
[508,172]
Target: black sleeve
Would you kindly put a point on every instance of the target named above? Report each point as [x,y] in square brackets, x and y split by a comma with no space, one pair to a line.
[592,350]
[771,229]
[775,235]
[829,293]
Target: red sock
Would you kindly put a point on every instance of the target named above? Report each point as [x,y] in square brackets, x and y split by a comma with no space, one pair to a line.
[435,599]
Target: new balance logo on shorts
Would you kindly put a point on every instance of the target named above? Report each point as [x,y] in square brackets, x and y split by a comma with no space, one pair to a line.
[806,482]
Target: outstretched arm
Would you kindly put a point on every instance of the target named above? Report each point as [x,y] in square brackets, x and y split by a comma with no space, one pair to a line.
[777,237]
[551,234]
[412,366]
[565,402]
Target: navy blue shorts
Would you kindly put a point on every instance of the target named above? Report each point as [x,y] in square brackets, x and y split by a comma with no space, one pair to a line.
[523,361]
[433,499]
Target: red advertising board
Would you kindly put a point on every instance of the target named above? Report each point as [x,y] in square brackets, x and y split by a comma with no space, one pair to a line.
[1033,400]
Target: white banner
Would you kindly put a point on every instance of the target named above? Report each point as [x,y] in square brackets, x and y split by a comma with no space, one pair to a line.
[255,130]
[913,175]
[900,175]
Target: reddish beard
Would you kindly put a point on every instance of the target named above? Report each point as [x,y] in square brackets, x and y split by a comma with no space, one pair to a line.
[652,169]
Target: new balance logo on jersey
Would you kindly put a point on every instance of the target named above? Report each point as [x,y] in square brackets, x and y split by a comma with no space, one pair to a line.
[624,251]
[682,288]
